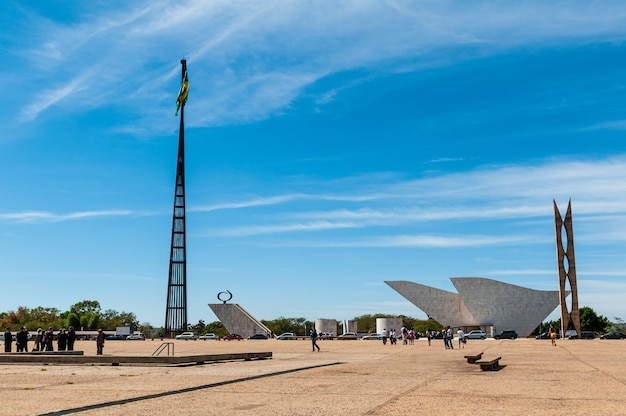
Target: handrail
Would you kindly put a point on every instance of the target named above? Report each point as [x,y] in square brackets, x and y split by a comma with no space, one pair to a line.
[162,347]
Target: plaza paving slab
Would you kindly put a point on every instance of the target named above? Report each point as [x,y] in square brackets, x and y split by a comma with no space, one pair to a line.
[577,377]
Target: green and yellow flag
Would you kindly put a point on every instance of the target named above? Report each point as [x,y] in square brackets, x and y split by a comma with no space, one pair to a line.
[182,94]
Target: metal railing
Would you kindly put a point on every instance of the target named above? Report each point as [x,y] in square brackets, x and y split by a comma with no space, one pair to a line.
[162,347]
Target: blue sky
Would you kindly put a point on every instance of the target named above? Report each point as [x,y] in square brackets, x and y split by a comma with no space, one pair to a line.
[330,146]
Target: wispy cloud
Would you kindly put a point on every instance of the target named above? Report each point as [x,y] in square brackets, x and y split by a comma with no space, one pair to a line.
[284,228]
[429,241]
[609,125]
[516,193]
[42,216]
[256,202]
[270,52]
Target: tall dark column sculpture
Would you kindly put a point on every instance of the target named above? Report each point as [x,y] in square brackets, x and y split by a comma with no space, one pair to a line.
[176,311]
[563,254]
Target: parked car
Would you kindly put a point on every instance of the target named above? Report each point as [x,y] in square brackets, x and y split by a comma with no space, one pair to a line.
[210,335]
[258,336]
[348,335]
[187,336]
[374,336]
[613,335]
[287,335]
[136,337]
[326,335]
[506,335]
[231,337]
[546,335]
[114,337]
[476,334]
[570,334]
[587,335]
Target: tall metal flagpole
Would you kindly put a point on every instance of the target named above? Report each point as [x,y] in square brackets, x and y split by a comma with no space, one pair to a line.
[176,311]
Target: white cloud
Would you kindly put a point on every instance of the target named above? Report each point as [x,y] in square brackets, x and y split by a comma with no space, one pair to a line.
[42,216]
[516,193]
[269,52]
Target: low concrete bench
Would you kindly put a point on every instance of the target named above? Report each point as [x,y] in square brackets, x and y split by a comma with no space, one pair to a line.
[490,365]
[47,353]
[471,359]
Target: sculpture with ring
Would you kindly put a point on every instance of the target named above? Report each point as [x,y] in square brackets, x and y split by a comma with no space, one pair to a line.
[226,293]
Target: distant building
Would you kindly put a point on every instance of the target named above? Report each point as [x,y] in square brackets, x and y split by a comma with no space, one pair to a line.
[484,303]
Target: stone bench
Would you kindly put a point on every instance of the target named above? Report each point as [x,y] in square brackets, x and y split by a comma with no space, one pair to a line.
[47,353]
[491,365]
[471,359]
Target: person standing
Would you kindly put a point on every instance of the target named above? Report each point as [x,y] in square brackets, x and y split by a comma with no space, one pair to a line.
[62,340]
[38,339]
[49,339]
[313,335]
[99,342]
[450,337]
[21,339]
[71,337]
[384,336]
[461,338]
[8,340]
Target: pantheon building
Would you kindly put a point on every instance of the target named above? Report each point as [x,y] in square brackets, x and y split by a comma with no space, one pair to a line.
[487,304]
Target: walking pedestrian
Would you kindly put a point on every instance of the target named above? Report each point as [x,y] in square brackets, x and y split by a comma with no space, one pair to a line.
[313,335]
[552,333]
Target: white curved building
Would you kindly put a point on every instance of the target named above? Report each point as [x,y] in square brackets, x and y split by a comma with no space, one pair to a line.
[482,303]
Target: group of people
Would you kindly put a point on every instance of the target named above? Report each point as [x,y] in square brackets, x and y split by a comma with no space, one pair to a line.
[406,335]
[43,340]
[448,338]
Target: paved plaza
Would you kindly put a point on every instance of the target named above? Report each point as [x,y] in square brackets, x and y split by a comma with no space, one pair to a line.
[577,377]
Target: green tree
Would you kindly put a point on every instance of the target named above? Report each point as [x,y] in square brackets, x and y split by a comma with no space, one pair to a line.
[72,319]
[88,313]
[31,318]
[590,321]
[298,326]
[199,328]
[86,307]
[111,319]
[215,327]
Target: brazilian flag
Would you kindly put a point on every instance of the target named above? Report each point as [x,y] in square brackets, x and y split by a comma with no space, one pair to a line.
[182,94]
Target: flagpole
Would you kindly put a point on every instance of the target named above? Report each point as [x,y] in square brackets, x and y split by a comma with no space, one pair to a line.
[176,310]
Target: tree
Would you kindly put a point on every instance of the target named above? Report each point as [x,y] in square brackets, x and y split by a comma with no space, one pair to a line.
[86,307]
[72,319]
[216,328]
[198,328]
[88,313]
[590,321]
[282,324]
[31,318]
